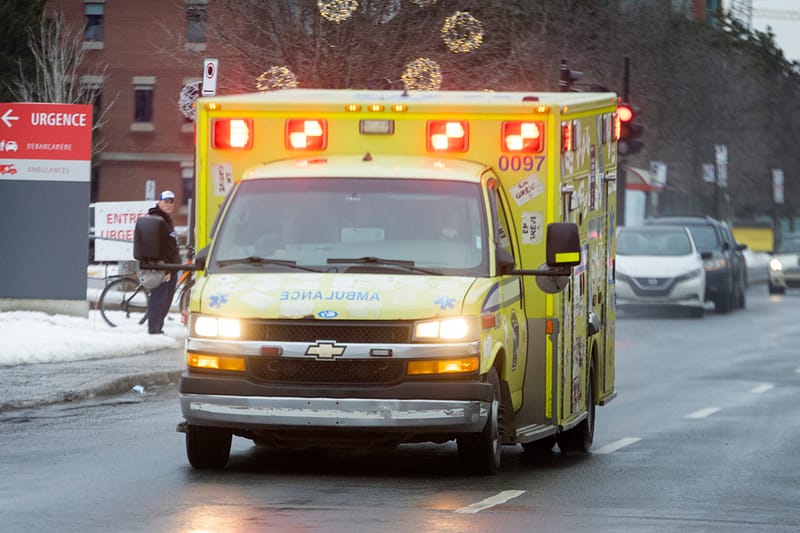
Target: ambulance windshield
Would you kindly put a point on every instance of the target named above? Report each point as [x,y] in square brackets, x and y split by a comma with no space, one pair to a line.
[429,226]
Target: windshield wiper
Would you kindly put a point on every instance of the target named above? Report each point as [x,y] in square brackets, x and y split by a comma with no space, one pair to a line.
[406,265]
[257,260]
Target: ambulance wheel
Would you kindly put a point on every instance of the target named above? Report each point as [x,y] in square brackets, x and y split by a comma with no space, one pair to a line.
[207,447]
[480,452]
[580,437]
[544,445]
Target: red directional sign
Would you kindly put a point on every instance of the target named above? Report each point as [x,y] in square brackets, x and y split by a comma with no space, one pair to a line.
[40,141]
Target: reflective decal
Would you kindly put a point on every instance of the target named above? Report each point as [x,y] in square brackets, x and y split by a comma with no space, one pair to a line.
[526,190]
[216,301]
[445,302]
[335,295]
[532,227]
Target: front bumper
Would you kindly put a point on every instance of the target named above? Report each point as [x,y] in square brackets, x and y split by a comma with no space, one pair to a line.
[418,416]
[663,291]
[411,407]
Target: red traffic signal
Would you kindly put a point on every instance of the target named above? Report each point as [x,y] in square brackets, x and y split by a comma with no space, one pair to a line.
[626,130]
[625,113]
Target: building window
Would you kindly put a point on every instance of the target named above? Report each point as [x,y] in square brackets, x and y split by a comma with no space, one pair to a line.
[143,100]
[196,23]
[92,91]
[143,104]
[93,30]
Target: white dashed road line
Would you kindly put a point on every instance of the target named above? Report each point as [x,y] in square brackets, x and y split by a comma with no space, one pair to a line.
[616,445]
[497,499]
[764,387]
[702,413]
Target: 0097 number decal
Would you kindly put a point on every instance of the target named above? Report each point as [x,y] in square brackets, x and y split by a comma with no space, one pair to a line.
[516,163]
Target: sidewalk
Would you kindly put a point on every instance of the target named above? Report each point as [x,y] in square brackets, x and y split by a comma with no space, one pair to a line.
[46,359]
[34,385]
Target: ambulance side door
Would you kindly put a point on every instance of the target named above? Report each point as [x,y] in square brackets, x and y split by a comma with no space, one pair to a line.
[507,305]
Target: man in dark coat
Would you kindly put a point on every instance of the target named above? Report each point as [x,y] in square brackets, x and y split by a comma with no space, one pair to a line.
[161,296]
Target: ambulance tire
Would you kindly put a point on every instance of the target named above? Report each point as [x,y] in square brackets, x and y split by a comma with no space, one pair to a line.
[580,437]
[207,448]
[540,446]
[480,453]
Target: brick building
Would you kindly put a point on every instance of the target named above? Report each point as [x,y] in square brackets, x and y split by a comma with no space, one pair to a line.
[145,53]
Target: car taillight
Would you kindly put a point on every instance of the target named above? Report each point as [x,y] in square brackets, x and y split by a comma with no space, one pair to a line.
[448,136]
[525,137]
[232,134]
[306,134]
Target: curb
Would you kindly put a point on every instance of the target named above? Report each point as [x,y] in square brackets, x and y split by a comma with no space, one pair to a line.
[102,388]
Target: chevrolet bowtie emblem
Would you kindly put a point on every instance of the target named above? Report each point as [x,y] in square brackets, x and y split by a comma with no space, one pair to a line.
[325,349]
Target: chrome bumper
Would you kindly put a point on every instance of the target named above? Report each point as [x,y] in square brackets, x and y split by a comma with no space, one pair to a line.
[418,416]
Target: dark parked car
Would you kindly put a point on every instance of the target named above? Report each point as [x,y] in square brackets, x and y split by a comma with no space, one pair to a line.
[726,271]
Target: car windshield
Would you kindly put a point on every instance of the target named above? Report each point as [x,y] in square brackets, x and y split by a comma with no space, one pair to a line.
[789,245]
[653,243]
[705,237]
[405,226]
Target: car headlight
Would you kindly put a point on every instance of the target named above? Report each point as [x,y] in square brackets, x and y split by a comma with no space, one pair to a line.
[775,264]
[446,329]
[715,264]
[690,275]
[210,326]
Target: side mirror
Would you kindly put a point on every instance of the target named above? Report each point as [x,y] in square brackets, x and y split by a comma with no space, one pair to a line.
[706,255]
[149,244]
[563,245]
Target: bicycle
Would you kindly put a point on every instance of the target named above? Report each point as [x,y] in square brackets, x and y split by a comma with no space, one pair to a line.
[124,300]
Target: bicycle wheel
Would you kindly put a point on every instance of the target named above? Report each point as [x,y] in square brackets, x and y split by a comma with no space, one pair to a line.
[124,301]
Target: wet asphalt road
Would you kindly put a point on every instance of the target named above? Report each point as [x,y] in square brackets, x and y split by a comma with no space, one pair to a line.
[702,437]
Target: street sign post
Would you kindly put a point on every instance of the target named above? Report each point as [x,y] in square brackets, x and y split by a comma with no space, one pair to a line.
[45,171]
[210,67]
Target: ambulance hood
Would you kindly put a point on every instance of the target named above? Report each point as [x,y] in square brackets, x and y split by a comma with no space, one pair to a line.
[332,296]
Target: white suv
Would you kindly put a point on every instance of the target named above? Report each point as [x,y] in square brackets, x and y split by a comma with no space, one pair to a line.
[784,265]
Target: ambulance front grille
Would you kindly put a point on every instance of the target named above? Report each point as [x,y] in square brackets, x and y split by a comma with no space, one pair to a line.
[281,370]
[367,332]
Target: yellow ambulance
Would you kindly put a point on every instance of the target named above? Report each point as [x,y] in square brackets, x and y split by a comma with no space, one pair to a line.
[384,267]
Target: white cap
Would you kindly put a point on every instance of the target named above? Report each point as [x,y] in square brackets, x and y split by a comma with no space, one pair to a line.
[166,195]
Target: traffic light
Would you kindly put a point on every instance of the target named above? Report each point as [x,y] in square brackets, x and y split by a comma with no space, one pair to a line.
[567,77]
[628,130]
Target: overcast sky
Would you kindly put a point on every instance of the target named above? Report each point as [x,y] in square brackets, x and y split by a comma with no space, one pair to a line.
[786,30]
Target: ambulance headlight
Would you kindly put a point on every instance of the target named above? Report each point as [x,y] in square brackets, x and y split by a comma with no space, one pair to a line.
[209,326]
[446,329]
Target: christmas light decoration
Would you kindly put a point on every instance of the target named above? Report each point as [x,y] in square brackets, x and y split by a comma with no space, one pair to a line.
[276,78]
[337,10]
[189,95]
[462,33]
[422,74]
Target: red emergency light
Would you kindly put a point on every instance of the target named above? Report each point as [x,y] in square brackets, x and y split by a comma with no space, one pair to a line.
[232,134]
[306,134]
[527,137]
[567,136]
[448,136]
